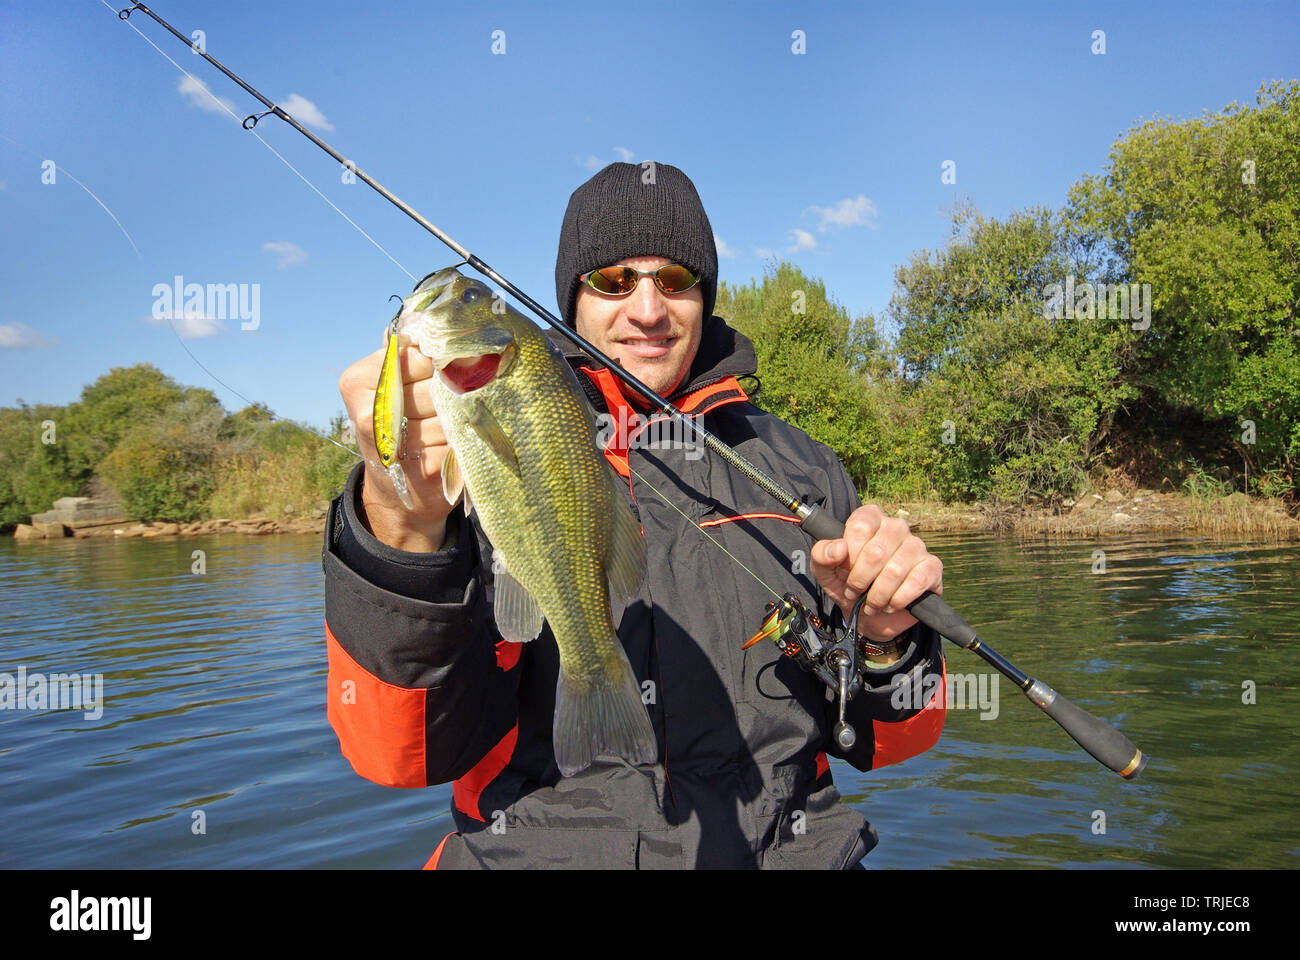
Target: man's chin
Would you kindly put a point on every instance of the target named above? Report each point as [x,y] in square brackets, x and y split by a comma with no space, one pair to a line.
[659,377]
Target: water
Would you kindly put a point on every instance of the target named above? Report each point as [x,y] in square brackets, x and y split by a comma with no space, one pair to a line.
[214,714]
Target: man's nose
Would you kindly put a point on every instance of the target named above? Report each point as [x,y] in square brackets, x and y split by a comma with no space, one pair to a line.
[646,305]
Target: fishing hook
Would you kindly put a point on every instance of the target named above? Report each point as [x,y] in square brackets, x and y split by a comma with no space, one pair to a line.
[1100,739]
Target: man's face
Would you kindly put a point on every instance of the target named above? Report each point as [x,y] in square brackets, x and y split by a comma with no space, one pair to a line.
[654,334]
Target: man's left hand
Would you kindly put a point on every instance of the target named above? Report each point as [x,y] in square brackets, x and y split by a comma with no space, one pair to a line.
[879,553]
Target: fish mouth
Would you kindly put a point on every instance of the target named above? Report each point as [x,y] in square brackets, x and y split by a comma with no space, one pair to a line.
[467,356]
[467,374]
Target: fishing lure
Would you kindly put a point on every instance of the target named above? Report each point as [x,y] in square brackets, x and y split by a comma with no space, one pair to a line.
[389,416]
[1106,744]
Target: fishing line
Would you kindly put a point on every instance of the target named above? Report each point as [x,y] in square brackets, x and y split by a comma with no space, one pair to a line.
[716,542]
[93,196]
[1104,742]
[217,100]
[170,323]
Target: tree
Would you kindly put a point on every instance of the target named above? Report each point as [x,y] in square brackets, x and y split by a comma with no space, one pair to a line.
[1207,212]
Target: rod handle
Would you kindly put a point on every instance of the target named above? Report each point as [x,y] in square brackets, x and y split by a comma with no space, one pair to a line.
[1107,745]
[929,608]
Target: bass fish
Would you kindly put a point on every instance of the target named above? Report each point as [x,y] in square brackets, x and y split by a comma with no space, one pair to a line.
[389,415]
[523,457]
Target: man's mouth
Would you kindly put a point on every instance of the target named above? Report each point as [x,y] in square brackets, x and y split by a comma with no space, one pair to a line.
[647,348]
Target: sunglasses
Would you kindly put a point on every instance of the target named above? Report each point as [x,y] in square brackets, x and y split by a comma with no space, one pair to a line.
[619,280]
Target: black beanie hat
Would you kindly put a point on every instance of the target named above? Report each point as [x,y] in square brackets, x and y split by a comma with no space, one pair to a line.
[634,210]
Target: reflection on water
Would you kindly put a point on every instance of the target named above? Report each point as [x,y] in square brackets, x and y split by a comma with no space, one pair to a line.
[213,750]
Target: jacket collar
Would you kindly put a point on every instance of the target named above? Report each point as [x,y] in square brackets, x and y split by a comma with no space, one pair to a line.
[724,353]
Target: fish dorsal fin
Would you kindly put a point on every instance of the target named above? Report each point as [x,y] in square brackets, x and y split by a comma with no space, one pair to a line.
[625,558]
[453,484]
[518,616]
[486,426]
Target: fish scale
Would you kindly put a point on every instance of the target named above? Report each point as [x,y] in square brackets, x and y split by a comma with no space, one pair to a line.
[523,444]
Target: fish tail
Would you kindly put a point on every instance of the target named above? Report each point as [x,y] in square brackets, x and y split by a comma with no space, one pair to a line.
[601,714]
[398,476]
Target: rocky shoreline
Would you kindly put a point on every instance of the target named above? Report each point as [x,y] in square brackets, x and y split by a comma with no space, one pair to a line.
[1113,513]
[258,525]
[1096,515]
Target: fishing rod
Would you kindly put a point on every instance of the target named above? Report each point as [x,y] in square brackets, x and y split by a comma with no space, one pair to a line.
[1106,744]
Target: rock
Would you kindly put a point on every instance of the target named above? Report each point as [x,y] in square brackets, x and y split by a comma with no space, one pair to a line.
[26,531]
[1114,496]
[75,511]
[168,529]
[98,530]
[50,531]
[1145,492]
[903,513]
[1087,503]
[70,503]
[1120,516]
[1068,503]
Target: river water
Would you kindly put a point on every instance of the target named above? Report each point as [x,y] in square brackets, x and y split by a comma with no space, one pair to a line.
[212,749]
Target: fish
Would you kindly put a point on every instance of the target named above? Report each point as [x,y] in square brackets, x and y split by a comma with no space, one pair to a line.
[567,546]
[389,416]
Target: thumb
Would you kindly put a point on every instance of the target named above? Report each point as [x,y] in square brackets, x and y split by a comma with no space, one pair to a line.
[830,553]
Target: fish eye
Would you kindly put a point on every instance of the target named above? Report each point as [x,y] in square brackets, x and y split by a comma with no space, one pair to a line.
[472,294]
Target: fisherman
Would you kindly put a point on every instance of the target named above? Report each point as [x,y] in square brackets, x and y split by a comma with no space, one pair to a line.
[423,690]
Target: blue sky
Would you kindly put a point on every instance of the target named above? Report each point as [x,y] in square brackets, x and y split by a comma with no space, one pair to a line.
[832,158]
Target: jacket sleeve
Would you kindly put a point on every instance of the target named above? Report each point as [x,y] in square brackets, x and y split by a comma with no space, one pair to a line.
[420,686]
[900,711]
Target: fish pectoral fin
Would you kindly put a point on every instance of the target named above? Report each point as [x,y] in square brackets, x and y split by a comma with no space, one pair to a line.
[486,426]
[453,483]
[625,557]
[518,615]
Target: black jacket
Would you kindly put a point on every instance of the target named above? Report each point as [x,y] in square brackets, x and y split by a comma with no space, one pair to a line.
[423,690]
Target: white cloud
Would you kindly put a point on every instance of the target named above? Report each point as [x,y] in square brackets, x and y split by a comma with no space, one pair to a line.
[305,112]
[803,240]
[724,251]
[765,254]
[189,324]
[200,96]
[856,211]
[624,154]
[290,254]
[592,162]
[19,336]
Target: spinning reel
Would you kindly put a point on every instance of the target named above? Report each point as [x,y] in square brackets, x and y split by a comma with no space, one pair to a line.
[838,660]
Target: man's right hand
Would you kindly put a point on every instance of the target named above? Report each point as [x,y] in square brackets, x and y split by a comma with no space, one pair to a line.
[423,529]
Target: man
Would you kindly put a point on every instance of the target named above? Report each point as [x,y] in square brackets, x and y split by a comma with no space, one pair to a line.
[422,689]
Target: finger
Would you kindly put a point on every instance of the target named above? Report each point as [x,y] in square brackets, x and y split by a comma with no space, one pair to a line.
[415,365]
[926,575]
[875,554]
[893,572]
[860,528]
[426,447]
[828,554]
